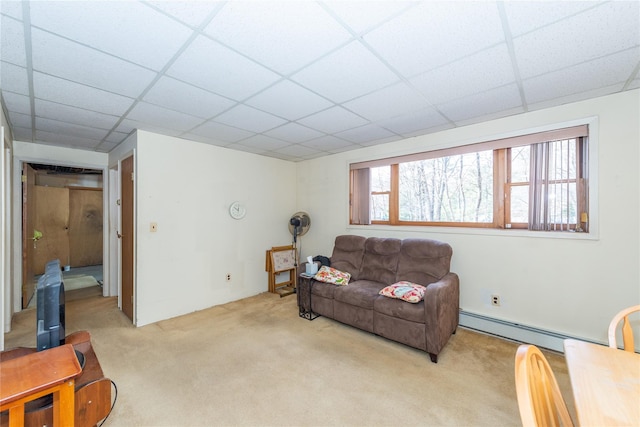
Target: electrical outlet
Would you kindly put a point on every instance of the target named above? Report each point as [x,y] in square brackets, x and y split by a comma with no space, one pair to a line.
[495,300]
[228,277]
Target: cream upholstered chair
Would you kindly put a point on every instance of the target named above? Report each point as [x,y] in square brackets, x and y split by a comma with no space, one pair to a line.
[627,332]
[539,398]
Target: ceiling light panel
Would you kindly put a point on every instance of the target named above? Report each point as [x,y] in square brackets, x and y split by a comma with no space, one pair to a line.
[283,36]
[335,119]
[70,93]
[126,29]
[14,78]
[218,131]
[388,102]
[426,36]
[65,113]
[361,16]
[593,33]
[179,96]
[159,116]
[213,67]
[62,58]
[12,41]
[289,100]
[347,73]
[250,119]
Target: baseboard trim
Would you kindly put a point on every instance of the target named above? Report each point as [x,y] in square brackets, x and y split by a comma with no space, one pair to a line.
[515,331]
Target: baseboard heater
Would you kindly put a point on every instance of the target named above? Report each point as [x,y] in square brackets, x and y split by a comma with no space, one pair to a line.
[515,331]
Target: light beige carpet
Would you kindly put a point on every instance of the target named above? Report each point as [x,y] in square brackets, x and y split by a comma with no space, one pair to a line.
[254,362]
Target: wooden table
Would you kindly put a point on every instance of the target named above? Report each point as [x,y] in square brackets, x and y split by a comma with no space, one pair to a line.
[35,375]
[605,384]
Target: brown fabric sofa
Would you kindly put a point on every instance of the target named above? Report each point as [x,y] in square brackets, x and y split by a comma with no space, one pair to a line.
[375,263]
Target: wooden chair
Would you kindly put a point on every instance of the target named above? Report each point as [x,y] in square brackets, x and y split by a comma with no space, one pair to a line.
[627,332]
[539,398]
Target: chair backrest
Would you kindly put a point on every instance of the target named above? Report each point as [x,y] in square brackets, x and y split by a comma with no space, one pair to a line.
[627,332]
[539,398]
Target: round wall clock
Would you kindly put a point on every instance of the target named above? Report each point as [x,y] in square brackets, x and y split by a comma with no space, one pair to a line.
[237,210]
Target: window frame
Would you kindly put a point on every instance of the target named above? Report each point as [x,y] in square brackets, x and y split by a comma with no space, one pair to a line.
[501,174]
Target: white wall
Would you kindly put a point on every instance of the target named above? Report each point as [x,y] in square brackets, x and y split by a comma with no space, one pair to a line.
[186,187]
[5,225]
[571,286]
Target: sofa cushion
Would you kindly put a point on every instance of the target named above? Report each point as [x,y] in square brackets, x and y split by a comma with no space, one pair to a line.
[423,261]
[361,293]
[380,260]
[332,275]
[347,254]
[403,290]
[400,309]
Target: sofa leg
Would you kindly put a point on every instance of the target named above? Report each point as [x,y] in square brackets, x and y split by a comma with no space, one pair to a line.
[434,357]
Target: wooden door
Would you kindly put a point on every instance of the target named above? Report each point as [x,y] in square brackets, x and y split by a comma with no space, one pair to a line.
[126,253]
[52,220]
[28,211]
[85,226]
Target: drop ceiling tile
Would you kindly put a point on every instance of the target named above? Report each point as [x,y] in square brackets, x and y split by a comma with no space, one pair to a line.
[21,134]
[12,41]
[246,149]
[179,96]
[388,102]
[296,150]
[482,104]
[70,93]
[20,120]
[14,78]
[525,16]
[436,33]
[127,126]
[368,132]
[263,143]
[635,83]
[283,36]
[62,58]
[129,30]
[333,120]
[65,113]
[220,132]
[293,132]
[329,143]
[213,67]
[576,97]
[204,139]
[600,31]
[347,73]
[607,71]
[192,13]
[361,16]
[412,123]
[17,103]
[106,146]
[69,129]
[71,141]
[151,114]
[116,137]
[477,73]
[289,100]
[12,9]
[250,119]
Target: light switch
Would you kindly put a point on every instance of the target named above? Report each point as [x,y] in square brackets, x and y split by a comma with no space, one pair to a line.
[153,227]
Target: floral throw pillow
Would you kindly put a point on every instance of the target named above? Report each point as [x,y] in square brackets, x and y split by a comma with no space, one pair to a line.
[406,291]
[331,275]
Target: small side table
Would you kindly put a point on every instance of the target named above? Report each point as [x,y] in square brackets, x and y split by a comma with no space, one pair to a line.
[35,375]
[305,285]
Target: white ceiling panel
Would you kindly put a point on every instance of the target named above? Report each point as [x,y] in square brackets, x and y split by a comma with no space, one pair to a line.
[293,133]
[415,121]
[62,58]
[264,143]
[347,73]
[115,138]
[367,133]
[593,34]
[296,151]
[211,66]
[20,120]
[300,102]
[22,134]
[79,116]
[525,16]
[159,116]
[192,13]
[361,16]
[388,102]
[127,29]
[11,8]
[127,126]
[179,96]
[69,129]
[218,131]
[330,144]
[283,36]
[14,79]
[477,73]
[63,140]
[492,101]
[248,118]
[17,103]
[12,41]
[426,36]
[335,119]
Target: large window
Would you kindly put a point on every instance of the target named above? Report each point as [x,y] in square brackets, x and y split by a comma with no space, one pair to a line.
[536,182]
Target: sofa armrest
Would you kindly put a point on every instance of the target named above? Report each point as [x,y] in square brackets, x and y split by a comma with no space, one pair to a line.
[442,311]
